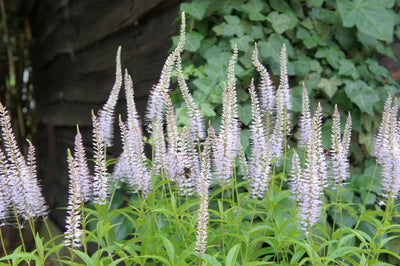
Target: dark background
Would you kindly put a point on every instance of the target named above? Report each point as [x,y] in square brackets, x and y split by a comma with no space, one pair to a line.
[71,46]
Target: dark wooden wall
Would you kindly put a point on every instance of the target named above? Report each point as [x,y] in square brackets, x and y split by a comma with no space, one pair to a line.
[74,70]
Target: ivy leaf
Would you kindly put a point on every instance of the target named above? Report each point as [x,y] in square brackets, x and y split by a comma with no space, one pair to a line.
[329,86]
[280,22]
[196,8]
[347,68]
[244,111]
[372,17]
[242,43]
[332,55]
[232,27]
[193,41]
[362,95]
[253,8]
[272,47]
[207,110]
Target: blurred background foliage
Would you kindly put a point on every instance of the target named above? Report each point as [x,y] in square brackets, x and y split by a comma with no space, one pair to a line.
[16,89]
[333,47]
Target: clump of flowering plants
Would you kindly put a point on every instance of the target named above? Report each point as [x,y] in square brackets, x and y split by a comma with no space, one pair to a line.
[200,198]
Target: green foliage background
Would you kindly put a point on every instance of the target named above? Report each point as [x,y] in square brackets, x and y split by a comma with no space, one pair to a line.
[332,47]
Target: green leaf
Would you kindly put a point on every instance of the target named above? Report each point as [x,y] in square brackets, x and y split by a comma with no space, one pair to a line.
[332,55]
[347,68]
[169,247]
[231,28]
[242,43]
[232,254]
[253,8]
[207,109]
[211,260]
[372,17]
[329,86]
[196,8]
[272,47]
[280,22]
[193,41]
[362,95]
[245,113]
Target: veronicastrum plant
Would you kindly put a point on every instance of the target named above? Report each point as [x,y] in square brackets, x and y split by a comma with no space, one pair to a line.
[199,199]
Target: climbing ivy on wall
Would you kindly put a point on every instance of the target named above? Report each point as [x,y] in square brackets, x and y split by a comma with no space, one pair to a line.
[333,48]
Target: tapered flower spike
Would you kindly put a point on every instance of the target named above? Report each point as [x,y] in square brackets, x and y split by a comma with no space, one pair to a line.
[25,192]
[155,105]
[5,191]
[283,106]
[388,156]
[202,222]
[195,119]
[100,180]
[243,164]
[73,234]
[305,123]
[106,114]
[174,163]
[381,144]
[339,150]
[296,177]
[284,81]
[228,138]
[191,161]
[308,184]
[347,135]
[266,87]
[260,150]
[81,167]
[135,151]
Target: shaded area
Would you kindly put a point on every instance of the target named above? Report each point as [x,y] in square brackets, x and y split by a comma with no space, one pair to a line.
[74,67]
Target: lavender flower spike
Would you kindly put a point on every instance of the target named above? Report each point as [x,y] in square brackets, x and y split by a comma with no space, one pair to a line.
[228,139]
[202,222]
[106,114]
[82,168]
[73,234]
[381,145]
[283,107]
[195,119]
[155,105]
[266,87]
[25,192]
[314,177]
[100,182]
[339,150]
[139,170]
[260,150]
[305,123]
[388,141]
[5,190]
[296,177]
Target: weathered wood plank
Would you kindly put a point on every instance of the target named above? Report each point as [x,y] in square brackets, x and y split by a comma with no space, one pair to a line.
[89,74]
[71,31]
